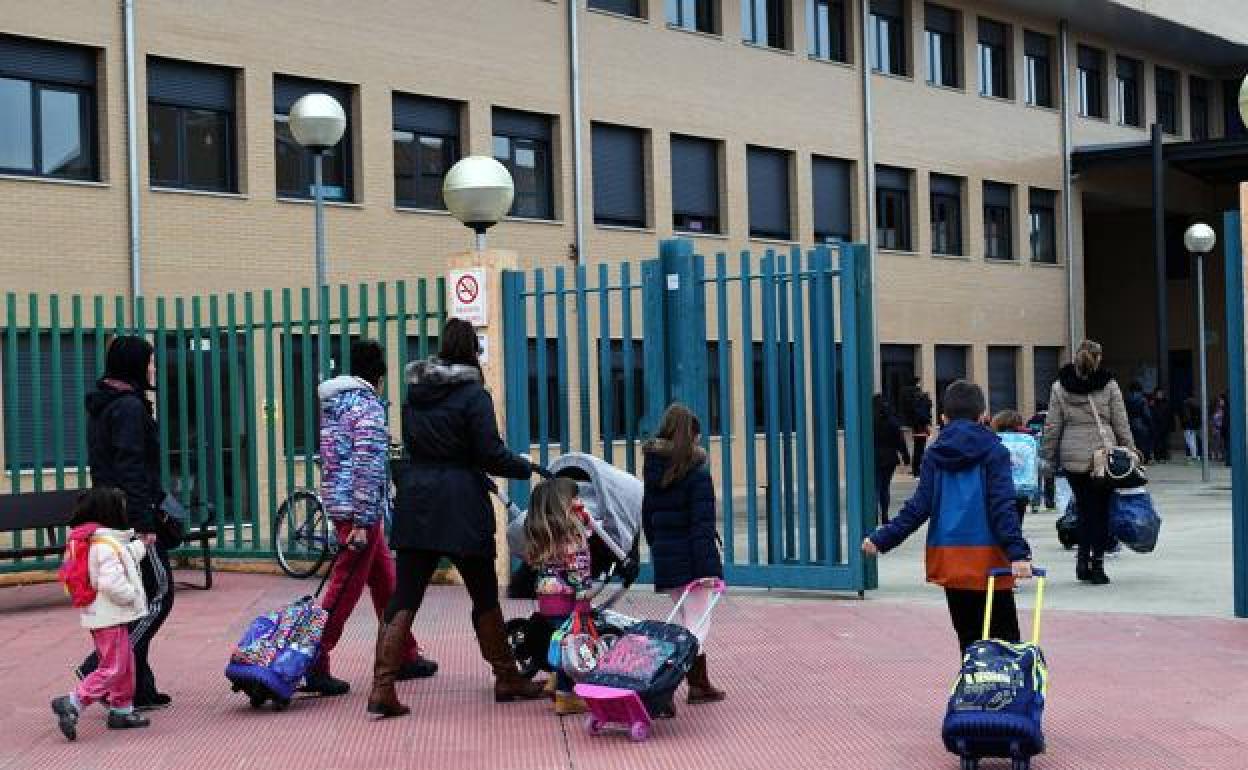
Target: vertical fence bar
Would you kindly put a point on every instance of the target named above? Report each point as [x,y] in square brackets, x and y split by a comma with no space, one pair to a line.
[724,363]
[785,386]
[80,388]
[252,472]
[542,394]
[801,428]
[859,380]
[400,312]
[97,306]
[561,362]
[750,437]
[202,492]
[832,401]
[310,444]
[36,400]
[515,371]
[119,316]
[344,331]
[236,417]
[288,391]
[217,419]
[363,315]
[422,309]
[58,389]
[771,394]
[186,492]
[162,393]
[324,352]
[383,323]
[11,407]
[270,409]
[819,371]
[140,316]
[630,384]
[582,355]
[606,392]
[699,290]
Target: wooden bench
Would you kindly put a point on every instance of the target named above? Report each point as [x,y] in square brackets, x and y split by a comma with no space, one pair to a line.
[49,511]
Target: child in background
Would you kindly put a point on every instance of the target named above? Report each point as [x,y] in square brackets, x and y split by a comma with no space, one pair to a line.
[966,489]
[101,574]
[1024,459]
[556,531]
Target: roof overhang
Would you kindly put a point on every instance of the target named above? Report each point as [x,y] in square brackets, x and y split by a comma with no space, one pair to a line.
[1216,161]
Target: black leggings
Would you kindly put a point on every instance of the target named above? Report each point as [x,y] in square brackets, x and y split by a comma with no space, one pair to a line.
[1092,498]
[415,569]
[966,610]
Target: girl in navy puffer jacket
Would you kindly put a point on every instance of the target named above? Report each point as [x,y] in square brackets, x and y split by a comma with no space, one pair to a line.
[678,517]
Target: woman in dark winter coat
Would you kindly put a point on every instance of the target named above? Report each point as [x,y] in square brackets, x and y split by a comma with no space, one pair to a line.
[889,447]
[123,451]
[678,518]
[1086,411]
[443,510]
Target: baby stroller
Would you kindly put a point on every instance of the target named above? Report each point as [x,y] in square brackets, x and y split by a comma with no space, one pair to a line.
[612,498]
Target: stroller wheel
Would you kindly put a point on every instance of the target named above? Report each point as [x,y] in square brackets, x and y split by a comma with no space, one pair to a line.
[593,725]
[256,700]
[639,732]
[518,640]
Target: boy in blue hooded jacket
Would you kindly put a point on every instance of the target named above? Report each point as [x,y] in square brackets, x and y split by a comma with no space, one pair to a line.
[967,491]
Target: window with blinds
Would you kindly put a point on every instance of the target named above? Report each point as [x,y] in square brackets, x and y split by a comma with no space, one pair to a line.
[768,179]
[998,221]
[426,138]
[619,174]
[1002,378]
[695,184]
[523,143]
[294,162]
[831,184]
[191,126]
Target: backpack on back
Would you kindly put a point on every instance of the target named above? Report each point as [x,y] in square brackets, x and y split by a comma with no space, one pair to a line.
[74,573]
[1024,464]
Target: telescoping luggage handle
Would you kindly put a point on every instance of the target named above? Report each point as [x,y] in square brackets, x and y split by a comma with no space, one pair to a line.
[1040,574]
[717,586]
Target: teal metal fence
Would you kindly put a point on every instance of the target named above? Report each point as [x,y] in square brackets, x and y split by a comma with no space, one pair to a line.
[235,394]
[781,378]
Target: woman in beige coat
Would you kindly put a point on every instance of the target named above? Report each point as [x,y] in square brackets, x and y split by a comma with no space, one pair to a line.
[1083,393]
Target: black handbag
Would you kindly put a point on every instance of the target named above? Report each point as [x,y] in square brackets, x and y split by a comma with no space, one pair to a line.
[172,520]
[1117,466]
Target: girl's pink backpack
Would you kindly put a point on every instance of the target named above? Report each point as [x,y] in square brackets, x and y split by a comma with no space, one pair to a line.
[75,571]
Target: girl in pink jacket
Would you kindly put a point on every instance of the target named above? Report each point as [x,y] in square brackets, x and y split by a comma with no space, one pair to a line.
[112,556]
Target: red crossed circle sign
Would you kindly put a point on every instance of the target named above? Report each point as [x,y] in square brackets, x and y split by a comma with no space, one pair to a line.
[466,289]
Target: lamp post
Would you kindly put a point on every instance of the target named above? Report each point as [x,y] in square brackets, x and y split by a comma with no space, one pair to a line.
[478,191]
[1199,240]
[317,122]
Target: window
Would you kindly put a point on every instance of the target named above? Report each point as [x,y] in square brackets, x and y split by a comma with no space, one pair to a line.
[554,414]
[1167,99]
[998,221]
[946,214]
[1198,93]
[833,201]
[765,22]
[897,371]
[695,185]
[622,7]
[950,366]
[1002,378]
[695,15]
[886,37]
[47,109]
[1091,82]
[1047,363]
[190,125]
[994,59]
[941,30]
[426,145]
[619,157]
[35,402]
[892,208]
[295,163]
[1037,53]
[1129,92]
[522,143]
[1042,224]
[827,29]
[768,172]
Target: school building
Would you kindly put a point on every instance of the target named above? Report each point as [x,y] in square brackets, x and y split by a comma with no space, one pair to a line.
[997,155]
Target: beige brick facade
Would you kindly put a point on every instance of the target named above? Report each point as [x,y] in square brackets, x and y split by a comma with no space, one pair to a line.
[72,237]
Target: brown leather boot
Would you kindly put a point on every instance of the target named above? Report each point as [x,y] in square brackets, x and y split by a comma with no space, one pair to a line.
[391,647]
[700,688]
[508,684]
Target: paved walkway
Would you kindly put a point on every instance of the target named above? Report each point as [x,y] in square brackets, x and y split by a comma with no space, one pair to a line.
[813,683]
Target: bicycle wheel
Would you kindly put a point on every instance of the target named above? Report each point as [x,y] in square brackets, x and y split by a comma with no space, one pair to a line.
[301,534]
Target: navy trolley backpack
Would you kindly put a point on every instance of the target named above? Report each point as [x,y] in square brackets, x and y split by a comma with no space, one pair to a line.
[997,706]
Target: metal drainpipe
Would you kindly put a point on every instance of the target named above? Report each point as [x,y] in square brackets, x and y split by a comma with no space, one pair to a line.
[1067,204]
[574,61]
[132,151]
[868,164]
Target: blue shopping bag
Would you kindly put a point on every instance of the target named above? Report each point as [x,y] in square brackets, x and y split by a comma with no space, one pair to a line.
[1133,519]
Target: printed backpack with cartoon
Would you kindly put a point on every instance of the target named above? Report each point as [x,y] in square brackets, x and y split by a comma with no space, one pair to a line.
[1024,464]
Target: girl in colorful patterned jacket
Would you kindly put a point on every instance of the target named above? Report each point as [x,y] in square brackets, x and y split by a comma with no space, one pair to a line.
[556,530]
[112,559]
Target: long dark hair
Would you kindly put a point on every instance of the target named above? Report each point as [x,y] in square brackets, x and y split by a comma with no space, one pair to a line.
[127,361]
[680,428]
[105,506]
[460,346]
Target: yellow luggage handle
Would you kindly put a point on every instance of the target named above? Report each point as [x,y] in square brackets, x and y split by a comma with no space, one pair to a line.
[1041,576]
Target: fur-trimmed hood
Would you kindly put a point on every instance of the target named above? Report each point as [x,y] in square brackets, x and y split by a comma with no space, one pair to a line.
[431,380]
[1073,383]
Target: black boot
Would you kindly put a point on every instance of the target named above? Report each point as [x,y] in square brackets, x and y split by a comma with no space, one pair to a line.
[324,684]
[1083,569]
[66,716]
[421,668]
[118,720]
[1096,572]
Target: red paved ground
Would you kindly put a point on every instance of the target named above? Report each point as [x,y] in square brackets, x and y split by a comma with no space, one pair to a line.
[813,683]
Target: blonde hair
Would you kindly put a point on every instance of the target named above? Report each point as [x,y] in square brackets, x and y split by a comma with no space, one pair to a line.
[1087,358]
[1007,419]
[550,527]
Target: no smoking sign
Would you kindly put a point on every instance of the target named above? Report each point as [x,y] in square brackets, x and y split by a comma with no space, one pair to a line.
[468,295]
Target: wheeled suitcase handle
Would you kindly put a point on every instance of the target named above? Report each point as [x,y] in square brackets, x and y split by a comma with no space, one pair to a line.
[1041,574]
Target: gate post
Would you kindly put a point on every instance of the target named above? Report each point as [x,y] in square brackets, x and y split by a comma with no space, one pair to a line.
[683,334]
[1232,248]
[858,350]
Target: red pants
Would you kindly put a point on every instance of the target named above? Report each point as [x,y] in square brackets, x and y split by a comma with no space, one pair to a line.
[373,566]
[113,679]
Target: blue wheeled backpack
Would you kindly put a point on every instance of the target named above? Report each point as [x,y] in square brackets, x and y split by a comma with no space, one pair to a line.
[997,706]
[1024,464]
